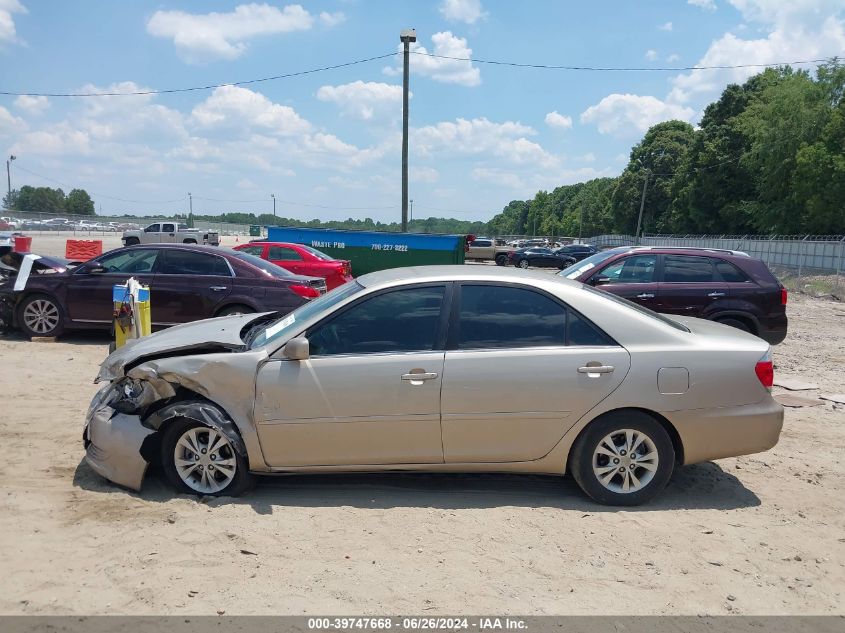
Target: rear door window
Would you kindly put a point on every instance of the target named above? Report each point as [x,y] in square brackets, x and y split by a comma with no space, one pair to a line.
[687,269]
[168,228]
[283,253]
[178,262]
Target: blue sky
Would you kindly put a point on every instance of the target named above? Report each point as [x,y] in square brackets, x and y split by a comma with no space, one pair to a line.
[481,135]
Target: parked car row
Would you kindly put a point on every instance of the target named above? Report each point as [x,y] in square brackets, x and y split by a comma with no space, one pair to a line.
[64,224]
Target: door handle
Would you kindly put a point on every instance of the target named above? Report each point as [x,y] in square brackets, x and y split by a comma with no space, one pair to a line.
[596,369]
[430,375]
[217,288]
[716,294]
[646,295]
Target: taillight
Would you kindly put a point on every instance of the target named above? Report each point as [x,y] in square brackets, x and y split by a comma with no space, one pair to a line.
[783,296]
[305,291]
[765,370]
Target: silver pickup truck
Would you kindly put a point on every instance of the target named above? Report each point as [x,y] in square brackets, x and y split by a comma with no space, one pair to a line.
[172,232]
[488,249]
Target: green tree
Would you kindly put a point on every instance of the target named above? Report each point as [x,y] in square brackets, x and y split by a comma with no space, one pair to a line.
[10,200]
[41,200]
[78,202]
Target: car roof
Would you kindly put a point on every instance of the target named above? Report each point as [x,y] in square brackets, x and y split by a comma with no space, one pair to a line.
[457,272]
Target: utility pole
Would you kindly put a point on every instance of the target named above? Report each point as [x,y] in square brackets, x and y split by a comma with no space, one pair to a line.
[273,195]
[642,205]
[406,36]
[581,225]
[190,210]
[9,176]
[411,209]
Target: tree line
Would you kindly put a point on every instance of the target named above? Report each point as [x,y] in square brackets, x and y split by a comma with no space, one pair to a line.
[768,157]
[47,200]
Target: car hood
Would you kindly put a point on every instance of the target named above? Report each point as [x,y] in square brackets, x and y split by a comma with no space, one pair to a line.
[207,336]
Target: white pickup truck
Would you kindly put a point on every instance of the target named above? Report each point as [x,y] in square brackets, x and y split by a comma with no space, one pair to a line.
[172,232]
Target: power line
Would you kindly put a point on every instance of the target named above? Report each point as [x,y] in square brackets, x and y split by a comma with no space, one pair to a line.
[299,204]
[619,68]
[94,193]
[195,88]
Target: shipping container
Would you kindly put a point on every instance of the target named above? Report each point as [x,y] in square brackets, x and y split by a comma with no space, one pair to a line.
[371,250]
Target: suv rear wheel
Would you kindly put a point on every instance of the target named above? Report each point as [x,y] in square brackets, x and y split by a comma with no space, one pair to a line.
[739,324]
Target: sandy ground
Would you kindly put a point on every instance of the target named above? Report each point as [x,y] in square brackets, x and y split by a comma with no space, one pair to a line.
[763,534]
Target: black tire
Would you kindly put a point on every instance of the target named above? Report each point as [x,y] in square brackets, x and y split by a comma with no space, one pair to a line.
[189,241]
[523,263]
[240,483]
[588,442]
[235,309]
[132,241]
[501,260]
[43,304]
[739,324]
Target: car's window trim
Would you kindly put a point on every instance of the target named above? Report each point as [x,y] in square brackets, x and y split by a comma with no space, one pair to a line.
[439,336]
[452,342]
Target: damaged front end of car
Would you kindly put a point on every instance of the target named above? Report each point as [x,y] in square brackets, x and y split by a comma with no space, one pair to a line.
[150,382]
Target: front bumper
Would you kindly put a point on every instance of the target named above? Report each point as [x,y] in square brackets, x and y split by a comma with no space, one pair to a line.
[728,431]
[113,443]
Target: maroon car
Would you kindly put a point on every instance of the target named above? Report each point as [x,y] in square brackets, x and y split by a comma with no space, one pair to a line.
[187,282]
[720,285]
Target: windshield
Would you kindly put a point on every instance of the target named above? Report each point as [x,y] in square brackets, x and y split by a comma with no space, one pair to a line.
[578,268]
[267,267]
[269,332]
[316,253]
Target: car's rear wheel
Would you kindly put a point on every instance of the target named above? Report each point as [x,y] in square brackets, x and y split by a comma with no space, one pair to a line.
[200,460]
[132,241]
[235,310]
[501,260]
[624,458]
[40,315]
[523,263]
[739,324]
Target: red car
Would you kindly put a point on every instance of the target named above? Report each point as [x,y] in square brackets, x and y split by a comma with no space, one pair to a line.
[302,260]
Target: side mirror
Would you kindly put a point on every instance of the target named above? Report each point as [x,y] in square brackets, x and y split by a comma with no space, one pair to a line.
[599,281]
[298,349]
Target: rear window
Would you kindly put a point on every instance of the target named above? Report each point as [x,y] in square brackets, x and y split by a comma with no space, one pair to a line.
[316,253]
[482,243]
[638,308]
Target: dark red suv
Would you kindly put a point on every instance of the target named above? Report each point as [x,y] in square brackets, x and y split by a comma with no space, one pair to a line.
[720,285]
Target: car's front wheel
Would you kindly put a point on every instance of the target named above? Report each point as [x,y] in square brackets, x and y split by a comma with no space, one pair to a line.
[501,260]
[40,315]
[624,458]
[198,459]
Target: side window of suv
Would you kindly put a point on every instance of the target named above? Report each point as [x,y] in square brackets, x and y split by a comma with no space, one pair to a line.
[636,269]
[728,272]
[687,269]
[398,321]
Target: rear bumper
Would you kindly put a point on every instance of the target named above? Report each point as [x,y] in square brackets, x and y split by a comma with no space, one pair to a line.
[773,331]
[728,431]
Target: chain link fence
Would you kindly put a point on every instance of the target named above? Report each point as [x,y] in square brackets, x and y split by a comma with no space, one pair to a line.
[99,225]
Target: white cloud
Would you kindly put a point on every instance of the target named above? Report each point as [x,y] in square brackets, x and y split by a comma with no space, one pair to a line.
[630,115]
[555,119]
[423,174]
[8,32]
[498,177]
[482,136]
[666,26]
[651,55]
[332,19]
[203,37]
[9,123]
[674,57]
[32,105]
[589,157]
[800,29]
[453,71]
[468,11]
[56,140]
[364,99]
[707,5]
[236,107]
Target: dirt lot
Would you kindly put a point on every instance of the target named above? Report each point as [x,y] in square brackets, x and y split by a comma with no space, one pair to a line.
[763,534]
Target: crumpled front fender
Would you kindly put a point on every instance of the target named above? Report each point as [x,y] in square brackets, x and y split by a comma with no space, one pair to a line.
[113,446]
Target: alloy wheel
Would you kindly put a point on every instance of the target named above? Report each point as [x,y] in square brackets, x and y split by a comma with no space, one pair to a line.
[204,460]
[41,316]
[625,461]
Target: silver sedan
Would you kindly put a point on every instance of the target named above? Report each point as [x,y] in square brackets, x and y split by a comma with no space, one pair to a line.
[443,368]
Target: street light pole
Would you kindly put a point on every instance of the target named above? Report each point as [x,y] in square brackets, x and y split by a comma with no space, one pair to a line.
[406,37]
[273,195]
[411,210]
[9,176]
